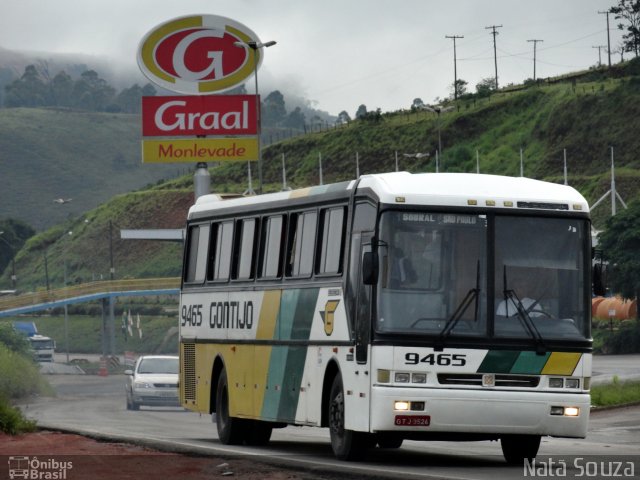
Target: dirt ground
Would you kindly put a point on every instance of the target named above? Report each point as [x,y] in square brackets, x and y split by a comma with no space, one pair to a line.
[62,456]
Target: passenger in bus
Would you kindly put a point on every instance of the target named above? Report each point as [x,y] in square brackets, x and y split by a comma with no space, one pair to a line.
[402,272]
[521,288]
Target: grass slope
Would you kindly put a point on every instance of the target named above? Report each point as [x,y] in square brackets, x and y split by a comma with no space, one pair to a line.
[89,157]
[585,118]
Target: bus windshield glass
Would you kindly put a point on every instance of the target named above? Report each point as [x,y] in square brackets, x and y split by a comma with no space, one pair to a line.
[434,278]
[540,277]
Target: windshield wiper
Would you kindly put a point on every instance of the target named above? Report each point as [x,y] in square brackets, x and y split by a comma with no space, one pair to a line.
[523,316]
[453,320]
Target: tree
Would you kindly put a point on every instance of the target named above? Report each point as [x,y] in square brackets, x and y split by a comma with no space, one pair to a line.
[458,88]
[273,110]
[486,86]
[361,112]
[629,10]
[92,92]
[129,100]
[343,117]
[295,119]
[61,89]
[28,91]
[417,104]
[149,90]
[620,244]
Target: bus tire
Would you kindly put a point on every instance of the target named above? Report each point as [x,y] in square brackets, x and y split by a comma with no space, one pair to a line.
[517,448]
[258,433]
[346,444]
[231,430]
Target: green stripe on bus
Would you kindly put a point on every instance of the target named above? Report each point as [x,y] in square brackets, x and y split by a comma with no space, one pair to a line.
[271,401]
[297,309]
[498,361]
[530,363]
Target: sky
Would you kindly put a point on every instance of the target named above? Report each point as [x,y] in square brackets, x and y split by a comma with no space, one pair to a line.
[340,54]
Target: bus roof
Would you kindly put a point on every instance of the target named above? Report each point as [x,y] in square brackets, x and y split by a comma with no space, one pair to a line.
[431,189]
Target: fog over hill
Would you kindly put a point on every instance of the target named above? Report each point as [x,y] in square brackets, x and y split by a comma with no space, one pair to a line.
[119,75]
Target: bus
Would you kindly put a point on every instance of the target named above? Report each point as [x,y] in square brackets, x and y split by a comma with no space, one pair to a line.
[396,306]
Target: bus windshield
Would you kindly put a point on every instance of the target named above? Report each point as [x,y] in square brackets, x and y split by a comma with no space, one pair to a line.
[434,278]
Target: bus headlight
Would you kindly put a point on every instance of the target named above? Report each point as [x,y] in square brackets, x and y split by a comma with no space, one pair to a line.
[572,383]
[556,382]
[565,411]
[402,377]
[401,405]
[418,378]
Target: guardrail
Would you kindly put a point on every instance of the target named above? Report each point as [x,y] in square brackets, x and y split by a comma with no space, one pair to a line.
[107,286]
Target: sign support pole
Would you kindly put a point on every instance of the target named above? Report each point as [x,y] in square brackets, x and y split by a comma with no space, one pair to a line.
[201,180]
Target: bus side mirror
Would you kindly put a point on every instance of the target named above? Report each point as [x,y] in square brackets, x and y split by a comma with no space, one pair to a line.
[370,268]
[599,282]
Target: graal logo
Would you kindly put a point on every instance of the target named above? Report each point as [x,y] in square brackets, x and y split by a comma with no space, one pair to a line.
[33,468]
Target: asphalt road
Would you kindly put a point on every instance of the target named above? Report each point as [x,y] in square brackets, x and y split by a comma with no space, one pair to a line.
[96,406]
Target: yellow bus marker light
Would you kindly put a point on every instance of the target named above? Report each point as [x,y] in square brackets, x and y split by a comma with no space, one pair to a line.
[384,376]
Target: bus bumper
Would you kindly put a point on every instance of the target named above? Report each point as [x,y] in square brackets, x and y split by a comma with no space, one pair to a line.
[479,411]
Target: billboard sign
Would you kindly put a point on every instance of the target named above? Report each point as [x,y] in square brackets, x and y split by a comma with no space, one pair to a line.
[193,115]
[198,54]
[199,150]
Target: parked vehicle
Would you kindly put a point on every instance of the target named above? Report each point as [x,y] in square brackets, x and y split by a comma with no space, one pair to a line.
[43,348]
[153,382]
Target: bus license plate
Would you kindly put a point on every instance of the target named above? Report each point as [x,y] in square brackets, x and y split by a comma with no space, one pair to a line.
[412,420]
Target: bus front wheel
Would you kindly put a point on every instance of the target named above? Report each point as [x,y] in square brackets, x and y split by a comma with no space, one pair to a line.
[517,448]
[346,444]
[231,430]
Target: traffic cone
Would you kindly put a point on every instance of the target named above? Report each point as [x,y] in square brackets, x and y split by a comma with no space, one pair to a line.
[103,372]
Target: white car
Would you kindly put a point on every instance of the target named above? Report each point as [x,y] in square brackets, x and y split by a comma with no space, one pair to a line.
[153,382]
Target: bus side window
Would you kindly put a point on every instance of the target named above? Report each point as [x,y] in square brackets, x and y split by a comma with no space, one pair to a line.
[245,247]
[331,241]
[301,243]
[197,254]
[271,247]
[220,258]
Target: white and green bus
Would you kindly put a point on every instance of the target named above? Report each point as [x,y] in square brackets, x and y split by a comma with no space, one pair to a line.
[396,306]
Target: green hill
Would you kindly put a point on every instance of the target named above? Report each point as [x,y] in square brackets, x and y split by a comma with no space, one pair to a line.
[585,115]
[47,154]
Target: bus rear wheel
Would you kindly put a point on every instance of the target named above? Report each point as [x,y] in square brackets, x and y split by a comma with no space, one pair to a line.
[346,444]
[517,448]
[231,430]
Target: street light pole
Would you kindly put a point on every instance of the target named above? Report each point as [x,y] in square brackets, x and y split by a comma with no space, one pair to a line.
[112,269]
[255,46]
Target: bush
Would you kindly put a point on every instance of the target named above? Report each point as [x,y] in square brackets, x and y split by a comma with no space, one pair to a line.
[13,340]
[19,375]
[624,340]
[12,421]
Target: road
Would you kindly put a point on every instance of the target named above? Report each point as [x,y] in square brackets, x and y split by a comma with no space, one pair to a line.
[96,406]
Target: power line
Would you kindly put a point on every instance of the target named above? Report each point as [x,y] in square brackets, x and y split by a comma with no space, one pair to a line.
[535,44]
[495,56]
[455,67]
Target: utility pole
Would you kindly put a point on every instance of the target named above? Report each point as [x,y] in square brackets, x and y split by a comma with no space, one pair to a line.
[608,36]
[599,47]
[495,55]
[455,67]
[535,44]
